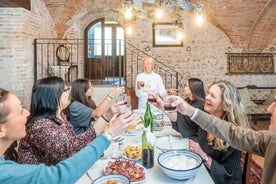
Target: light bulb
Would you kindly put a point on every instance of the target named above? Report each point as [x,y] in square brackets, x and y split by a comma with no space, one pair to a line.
[158,13]
[199,19]
[128,30]
[128,13]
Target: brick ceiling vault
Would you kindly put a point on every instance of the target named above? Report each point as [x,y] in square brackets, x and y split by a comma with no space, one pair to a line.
[249,24]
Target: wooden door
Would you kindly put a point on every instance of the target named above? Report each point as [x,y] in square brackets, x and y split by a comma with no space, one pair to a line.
[103,57]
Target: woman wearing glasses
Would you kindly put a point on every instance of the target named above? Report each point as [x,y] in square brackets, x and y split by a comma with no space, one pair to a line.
[13,118]
[50,136]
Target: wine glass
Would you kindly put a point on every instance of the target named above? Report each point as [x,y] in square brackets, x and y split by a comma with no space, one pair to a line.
[152,97]
[121,97]
[168,104]
[124,108]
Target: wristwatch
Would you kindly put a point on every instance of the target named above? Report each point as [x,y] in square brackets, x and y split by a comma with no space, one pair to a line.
[108,136]
[205,158]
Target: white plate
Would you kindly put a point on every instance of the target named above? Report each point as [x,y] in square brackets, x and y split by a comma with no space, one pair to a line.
[136,165]
[110,150]
[120,178]
[137,131]
[172,142]
[136,159]
[126,133]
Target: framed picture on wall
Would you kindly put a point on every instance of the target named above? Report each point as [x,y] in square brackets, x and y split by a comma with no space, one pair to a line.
[166,35]
[250,63]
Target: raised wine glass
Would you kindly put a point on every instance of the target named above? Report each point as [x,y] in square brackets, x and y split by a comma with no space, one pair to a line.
[168,104]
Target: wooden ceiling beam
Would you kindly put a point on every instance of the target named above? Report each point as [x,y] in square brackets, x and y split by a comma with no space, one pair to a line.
[16,4]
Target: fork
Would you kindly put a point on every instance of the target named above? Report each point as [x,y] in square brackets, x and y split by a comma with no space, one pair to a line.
[118,139]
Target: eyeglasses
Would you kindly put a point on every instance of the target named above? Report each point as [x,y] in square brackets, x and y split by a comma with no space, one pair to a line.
[67,90]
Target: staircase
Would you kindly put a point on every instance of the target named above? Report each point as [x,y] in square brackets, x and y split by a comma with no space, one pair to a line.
[47,63]
[133,64]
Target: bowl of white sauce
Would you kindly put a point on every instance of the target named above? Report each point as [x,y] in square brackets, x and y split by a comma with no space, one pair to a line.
[180,164]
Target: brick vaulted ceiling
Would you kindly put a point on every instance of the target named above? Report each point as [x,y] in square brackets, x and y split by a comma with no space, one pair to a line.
[249,24]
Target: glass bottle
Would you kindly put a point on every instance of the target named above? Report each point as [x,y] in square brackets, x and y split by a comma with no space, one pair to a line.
[147,136]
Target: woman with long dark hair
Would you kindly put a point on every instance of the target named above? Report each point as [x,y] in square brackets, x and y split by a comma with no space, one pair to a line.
[50,136]
[83,110]
[13,118]
[195,93]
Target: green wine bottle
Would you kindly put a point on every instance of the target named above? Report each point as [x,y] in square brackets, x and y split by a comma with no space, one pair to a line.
[147,146]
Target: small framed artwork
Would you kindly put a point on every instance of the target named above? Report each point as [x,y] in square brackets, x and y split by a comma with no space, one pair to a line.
[250,63]
[166,35]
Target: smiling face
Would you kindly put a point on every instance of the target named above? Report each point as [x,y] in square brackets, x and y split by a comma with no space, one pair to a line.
[213,101]
[14,126]
[148,66]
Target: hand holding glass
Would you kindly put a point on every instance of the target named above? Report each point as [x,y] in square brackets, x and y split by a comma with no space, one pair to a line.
[168,104]
[122,97]
[152,97]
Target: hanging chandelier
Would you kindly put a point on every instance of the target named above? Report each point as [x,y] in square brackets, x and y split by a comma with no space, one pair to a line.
[160,9]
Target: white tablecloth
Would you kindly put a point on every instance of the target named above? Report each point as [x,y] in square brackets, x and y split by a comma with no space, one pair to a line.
[153,175]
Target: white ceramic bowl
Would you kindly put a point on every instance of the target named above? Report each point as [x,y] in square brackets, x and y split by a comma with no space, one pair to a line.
[186,167]
[120,178]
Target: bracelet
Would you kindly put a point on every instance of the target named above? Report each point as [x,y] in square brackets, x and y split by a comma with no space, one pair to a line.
[104,118]
[109,101]
[111,97]
[108,136]
[205,158]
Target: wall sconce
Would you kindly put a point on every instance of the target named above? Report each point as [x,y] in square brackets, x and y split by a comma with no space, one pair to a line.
[147,48]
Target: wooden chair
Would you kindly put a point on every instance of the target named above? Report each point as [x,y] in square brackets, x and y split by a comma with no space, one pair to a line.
[246,168]
[133,98]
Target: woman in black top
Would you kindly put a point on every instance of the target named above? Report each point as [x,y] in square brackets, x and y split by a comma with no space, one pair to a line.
[194,90]
[221,160]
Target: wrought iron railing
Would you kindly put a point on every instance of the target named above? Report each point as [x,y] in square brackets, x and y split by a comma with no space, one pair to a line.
[119,69]
[134,56]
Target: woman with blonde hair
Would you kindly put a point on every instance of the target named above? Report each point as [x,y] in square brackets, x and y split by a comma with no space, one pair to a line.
[148,81]
[222,161]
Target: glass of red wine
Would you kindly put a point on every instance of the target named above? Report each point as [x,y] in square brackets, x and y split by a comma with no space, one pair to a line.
[152,97]
[168,104]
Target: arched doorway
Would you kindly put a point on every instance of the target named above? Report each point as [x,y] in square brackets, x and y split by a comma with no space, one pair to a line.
[104,50]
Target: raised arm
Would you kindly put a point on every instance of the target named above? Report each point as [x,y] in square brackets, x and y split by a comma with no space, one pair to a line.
[104,105]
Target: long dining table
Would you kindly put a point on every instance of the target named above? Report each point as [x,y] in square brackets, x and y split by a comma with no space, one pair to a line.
[153,175]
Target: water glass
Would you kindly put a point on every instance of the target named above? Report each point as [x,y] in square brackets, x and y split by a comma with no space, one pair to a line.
[124,108]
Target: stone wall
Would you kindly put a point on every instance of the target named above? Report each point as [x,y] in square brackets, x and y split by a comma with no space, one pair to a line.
[18,29]
[205,60]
